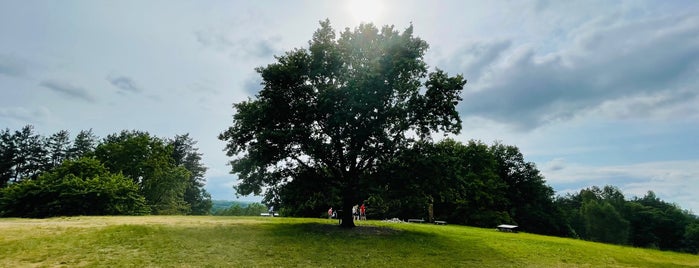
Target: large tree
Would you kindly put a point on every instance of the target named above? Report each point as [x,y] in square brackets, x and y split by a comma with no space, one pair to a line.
[23,155]
[446,181]
[339,108]
[58,146]
[83,145]
[148,161]
[187,155]
[8,154]
[531,201]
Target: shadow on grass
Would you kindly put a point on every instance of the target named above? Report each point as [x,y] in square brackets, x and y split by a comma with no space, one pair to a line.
[303,243]
[264,244]
[381,246]
[335,230]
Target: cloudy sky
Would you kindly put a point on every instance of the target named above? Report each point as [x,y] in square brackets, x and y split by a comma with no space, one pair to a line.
[594,92]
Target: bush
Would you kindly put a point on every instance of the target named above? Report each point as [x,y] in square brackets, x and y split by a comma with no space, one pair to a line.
[80,187]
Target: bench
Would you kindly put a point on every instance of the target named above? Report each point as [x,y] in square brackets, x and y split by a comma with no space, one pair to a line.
[266,214]
[440,222]
[416,220]
[507,228]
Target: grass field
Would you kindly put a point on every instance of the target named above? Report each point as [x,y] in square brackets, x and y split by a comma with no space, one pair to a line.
[192,241]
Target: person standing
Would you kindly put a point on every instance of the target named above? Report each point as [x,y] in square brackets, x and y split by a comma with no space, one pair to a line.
[330,213]
[355,212]
[362,212]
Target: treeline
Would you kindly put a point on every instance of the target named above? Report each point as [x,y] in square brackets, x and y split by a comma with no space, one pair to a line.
[605,215]
[126,173]
[480,185]
[472,184]
[241,209]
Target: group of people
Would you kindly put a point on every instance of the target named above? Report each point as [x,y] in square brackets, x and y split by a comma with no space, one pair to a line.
[332,213]
[358,212]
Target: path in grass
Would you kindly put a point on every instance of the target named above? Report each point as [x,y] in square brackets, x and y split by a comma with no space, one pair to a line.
[189,241]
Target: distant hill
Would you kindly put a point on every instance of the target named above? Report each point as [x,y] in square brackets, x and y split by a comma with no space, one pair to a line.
[224,204]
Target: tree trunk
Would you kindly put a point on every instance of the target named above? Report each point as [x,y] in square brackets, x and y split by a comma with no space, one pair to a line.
[347,217]
[348,201]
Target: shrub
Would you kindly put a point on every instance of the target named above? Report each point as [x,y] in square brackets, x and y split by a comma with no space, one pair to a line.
[79,187]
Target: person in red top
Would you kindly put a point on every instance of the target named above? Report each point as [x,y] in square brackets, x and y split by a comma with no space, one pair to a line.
[330,213]
[362,212]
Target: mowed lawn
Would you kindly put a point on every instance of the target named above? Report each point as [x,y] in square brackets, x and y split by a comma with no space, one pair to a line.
[208,241]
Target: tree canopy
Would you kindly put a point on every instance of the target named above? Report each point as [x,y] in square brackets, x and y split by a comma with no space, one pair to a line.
[75,187]
[339,108]
[603,214]
[167,173]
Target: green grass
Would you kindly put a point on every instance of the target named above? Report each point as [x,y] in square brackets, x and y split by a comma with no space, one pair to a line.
[191,241]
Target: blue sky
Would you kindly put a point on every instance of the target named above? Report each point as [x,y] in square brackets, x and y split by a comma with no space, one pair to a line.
[593,92]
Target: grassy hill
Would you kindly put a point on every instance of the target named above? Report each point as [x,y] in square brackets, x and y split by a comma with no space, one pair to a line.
[206,241]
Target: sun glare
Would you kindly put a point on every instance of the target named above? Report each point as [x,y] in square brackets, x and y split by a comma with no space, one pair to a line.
[364,10]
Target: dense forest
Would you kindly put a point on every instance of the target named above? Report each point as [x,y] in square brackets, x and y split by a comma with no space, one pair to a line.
[135,173]
[605,215]
[126,173]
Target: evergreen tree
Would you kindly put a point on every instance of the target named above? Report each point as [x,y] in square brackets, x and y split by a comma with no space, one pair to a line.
[186,155]
[83,145]
[58,146]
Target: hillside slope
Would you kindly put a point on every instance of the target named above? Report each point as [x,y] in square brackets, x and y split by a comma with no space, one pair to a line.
[197,241]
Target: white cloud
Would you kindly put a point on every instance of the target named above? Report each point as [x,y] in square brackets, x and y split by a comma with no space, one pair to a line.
[250,42]
[682,104]
[475,59]
[555,164]
[673,181]
[624,61]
